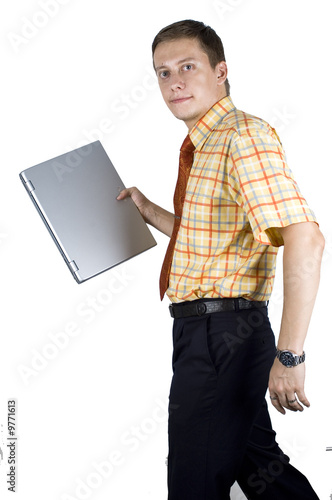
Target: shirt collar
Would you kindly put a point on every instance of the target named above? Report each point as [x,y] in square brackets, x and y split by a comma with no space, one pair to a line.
[213,117]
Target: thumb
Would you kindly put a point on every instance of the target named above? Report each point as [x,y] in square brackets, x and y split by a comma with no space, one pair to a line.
[125,193]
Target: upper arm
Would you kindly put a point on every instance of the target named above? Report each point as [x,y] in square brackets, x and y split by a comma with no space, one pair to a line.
[266,189]
[303,232]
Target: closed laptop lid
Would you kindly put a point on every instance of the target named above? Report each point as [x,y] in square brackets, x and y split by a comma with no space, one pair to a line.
[75,194]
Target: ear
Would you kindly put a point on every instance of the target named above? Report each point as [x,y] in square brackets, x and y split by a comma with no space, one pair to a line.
[221,72]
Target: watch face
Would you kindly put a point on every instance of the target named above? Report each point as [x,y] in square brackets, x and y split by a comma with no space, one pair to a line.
[287,359]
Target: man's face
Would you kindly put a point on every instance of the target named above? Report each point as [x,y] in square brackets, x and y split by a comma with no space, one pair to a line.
[188,83]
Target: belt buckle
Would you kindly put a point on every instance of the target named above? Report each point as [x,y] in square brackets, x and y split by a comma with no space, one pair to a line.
[201,308]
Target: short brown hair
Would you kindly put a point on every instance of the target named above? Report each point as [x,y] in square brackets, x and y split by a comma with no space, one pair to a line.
[207,37]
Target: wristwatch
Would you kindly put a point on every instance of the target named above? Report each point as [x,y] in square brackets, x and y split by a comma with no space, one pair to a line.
[289,359]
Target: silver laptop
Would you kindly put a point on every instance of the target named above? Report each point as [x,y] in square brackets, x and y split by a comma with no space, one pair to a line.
[75,194]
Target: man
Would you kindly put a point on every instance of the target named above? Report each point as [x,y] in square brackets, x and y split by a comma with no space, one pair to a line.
[239,203]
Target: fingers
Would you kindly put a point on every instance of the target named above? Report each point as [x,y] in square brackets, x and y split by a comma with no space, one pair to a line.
[283,402]
[125,193]
[141,202]
[290,401]
[302,398]
[286,388]
[276,403]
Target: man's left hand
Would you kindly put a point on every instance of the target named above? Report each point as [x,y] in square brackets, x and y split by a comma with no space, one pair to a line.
[286,387]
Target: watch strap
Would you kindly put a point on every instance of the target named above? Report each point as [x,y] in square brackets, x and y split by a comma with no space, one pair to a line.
[297,359]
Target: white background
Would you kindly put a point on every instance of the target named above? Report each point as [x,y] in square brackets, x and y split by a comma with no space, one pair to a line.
[79,71]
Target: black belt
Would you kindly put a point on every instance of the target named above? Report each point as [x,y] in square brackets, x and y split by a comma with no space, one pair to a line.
[200,307]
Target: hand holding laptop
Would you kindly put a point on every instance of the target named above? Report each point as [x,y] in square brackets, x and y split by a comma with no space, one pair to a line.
[76,196]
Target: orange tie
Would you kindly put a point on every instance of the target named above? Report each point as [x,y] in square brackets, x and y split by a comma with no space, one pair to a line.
[185,163]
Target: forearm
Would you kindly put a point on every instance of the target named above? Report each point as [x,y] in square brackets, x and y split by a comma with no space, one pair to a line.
[160,218]
[303,250]
[301,269]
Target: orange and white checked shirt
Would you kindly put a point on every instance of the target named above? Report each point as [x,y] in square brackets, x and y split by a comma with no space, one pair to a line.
[240,188]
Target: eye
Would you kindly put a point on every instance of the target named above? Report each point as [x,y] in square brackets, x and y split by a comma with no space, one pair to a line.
[187,67]
[163,74]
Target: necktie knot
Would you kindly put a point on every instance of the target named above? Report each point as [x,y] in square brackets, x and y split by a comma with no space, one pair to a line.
[187,146]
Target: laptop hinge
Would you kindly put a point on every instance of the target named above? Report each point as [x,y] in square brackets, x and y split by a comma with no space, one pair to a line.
[30,187]
[73,266]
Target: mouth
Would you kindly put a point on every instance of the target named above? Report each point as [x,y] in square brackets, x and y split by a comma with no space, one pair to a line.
[180,100]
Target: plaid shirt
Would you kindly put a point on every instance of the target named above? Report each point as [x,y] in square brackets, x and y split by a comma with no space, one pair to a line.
[240,188]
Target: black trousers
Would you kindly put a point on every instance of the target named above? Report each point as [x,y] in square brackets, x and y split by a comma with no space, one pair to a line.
[219,427]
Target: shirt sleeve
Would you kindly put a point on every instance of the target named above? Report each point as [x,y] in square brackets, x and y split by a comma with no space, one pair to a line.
[264,186]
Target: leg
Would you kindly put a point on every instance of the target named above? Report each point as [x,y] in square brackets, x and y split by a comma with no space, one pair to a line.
[221,366]
[266,473]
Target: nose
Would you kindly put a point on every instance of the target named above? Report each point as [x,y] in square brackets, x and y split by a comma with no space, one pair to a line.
[177,83]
